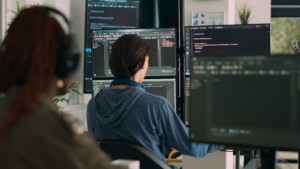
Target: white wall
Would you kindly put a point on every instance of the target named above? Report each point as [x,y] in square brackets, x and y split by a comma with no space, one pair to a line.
[77,16]
[225,6]
[261,11]
[62,5]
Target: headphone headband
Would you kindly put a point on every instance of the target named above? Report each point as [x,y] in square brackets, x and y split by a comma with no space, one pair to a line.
[68,54]
[59,13]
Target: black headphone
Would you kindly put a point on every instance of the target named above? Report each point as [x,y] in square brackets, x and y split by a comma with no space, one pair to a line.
[68,54]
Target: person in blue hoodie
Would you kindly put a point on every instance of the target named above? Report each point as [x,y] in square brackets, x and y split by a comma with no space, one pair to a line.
[125,111]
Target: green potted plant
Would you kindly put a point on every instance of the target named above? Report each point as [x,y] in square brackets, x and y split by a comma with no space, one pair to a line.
[72,89]
[18,9]
[244,12]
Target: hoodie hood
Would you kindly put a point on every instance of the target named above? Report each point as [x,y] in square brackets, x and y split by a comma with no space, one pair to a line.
[111,105]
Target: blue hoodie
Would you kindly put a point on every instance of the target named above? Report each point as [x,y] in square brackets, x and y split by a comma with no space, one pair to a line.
[137,116]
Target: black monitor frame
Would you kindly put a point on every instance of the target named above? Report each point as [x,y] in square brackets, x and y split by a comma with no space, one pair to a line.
[87,81]
[213,79]
[161,67]
[151,83]
[228,46]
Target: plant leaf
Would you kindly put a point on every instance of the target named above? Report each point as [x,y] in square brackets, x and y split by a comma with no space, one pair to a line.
[25,6]
[18,6]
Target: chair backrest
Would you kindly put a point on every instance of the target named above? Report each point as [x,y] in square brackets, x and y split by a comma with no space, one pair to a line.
[127,150]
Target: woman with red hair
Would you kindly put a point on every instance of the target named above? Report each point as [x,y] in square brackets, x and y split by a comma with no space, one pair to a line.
[32,132]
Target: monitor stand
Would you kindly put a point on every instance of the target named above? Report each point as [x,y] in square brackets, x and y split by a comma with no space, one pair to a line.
[267,158]
[266,161]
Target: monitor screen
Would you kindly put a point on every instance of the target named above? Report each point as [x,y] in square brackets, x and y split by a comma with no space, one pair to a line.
[187,100]
[162,87]
[285,35]
[246,101]
[220,40]
[106,14]
[162,54]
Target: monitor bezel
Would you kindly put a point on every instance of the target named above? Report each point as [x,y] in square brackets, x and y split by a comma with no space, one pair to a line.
[141,29]
[246,145]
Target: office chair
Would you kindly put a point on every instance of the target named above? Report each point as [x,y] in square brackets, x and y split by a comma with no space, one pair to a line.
[171,159]
[125,150]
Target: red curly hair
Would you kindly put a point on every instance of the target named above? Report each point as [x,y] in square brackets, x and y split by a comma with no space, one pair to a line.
[28,57]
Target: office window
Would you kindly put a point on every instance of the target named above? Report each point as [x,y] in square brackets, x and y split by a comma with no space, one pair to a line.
[285,23]
[285,35]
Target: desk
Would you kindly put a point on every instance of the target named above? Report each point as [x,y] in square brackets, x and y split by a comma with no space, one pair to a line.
[216,160]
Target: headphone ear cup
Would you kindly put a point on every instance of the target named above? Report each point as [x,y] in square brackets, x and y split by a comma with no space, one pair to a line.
[68,54]
[74,54]
[67,58]
[61,66]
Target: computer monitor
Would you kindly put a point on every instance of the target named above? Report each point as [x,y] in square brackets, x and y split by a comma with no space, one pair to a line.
[162,55]
[106,14]
[100,84]
[162,87]
[220,40]
[251,101]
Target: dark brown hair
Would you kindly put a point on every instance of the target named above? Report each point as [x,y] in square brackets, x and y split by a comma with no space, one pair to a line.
[128,55]
[28,57]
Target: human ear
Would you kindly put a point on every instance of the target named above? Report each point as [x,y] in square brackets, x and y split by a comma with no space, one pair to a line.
[146,62]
